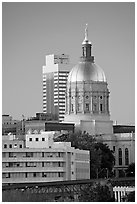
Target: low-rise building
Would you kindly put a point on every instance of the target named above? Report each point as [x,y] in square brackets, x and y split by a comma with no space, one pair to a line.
[123,146]
[39,159]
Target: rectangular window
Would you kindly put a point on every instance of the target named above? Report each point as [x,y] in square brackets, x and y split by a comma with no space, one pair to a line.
[126,157]
[120,156]
[29,154]
[20,145]
[34,174]
[79,107]
[87,106]
[101,107]
[10,154]
[37,139]
[113,148]
[72,109]
[44,174]
[43,139]
[30,139]
[95,107]
[120,161]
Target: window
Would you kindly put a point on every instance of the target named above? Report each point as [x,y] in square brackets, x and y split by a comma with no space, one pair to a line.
[87,97]
[87,106]
[10,146]
[126,157]
[101,107]
[37,139]
[20,145]
[101,97]
[79,106]
[15,145]
[44,174]
[30,139]
[11,164]
[114,161]
[113,148]
[120,156]
[10,154]
[60,174]
[29,154]
[43,139]
[5,145]
[72,108]
[34,174]
[94,107]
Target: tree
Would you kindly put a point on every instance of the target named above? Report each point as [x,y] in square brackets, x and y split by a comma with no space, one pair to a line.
[131,197]
[96,193]
[130,172]
[101,157]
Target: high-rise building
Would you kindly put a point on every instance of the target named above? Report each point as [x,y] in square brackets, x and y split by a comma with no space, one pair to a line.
[55,74]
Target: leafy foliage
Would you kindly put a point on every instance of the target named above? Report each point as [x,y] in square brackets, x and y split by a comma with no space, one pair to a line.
[96,193]
[101,157]
[130,172]
[131,197]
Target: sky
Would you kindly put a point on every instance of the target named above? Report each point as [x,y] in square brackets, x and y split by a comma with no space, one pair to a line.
[32,30]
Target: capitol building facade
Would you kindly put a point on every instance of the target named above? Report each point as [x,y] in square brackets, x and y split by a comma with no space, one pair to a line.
[87,106]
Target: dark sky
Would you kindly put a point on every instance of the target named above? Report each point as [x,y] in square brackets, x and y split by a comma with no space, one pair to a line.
[32,30]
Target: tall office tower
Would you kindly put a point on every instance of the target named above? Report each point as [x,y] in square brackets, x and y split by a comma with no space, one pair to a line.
[55,74]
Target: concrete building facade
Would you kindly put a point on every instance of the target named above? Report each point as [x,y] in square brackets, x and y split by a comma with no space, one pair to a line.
[9,125]
[55,74]
[39,159]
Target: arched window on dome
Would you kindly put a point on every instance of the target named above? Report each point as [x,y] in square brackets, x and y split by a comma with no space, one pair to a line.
[120,156]
[126,156]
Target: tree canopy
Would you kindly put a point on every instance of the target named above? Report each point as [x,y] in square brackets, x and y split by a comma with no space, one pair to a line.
[130,172]
[96,193]
[101,157]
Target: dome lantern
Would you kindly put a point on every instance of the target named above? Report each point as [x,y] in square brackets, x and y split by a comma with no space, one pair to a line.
[86,47]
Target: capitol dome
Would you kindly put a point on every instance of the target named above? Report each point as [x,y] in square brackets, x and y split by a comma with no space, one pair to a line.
[87,94]
[86,71]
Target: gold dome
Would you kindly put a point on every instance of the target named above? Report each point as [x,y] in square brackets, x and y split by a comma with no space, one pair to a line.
[86,71]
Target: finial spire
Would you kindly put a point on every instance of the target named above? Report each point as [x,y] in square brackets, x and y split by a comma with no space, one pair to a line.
[86,32]
[86,41]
